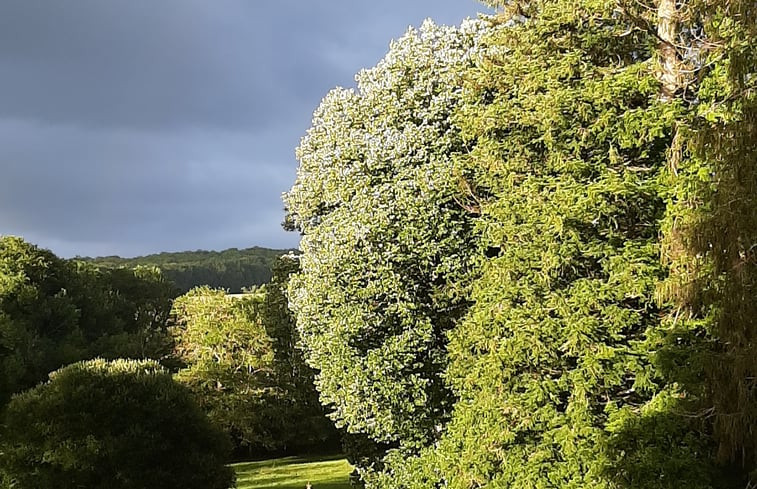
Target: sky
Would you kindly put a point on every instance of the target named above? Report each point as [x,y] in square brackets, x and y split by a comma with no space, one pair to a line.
[130,127]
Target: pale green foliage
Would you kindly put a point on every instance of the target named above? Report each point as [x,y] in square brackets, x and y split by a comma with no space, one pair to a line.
[568,374]
[383,239]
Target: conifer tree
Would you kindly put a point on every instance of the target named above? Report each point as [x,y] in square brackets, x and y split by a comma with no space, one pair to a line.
[584,116]
[710,229]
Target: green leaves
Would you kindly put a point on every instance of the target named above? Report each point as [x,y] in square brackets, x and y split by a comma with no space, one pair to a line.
[228,360]
[122,425]
[241,361]
[54,312]
[482,287]
[384,238]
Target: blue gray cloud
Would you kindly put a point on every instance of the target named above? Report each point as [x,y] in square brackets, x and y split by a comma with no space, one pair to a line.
[135,126]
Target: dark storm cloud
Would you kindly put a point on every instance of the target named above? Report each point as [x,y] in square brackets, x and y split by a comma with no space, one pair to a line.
[129,188]
[138,126]
[147,64]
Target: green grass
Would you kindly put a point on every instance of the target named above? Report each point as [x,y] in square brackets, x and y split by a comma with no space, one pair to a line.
[294,473]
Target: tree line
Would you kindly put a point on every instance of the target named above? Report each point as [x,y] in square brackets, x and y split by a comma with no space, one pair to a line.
[232,269]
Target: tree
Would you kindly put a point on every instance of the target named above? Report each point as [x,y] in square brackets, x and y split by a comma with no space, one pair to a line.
[609,177]
[117,425]
[307,426]
[54,312]
[228,360]
[241,359]
[711,222]
[570,142]
[586,360]
[384,239]
[124,312]
[39,320]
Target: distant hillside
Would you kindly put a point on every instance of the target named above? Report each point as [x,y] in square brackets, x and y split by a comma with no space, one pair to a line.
[230,269]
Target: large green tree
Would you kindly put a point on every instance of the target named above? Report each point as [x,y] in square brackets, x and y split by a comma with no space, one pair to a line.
[710,229]
[587,361]
[39,320]
[54,312]
[570,144]
[384,239]
[124,312]
[228,363]
[241,360]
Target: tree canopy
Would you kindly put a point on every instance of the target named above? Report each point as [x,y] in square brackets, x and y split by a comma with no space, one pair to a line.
[228,363]
[240,358]
[54,312]
[119,425]
[232,269]
[384,238]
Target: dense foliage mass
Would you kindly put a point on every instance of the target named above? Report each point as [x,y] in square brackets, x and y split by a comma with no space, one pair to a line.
[529,260]
[231,269]
[711,225]
[54,312]
[307,427]
[554,365]
[240,360]
[228,358]
[384,238]
[557,290]
[119,425]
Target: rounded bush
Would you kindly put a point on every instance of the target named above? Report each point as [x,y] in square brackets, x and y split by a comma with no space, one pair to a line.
[118,425]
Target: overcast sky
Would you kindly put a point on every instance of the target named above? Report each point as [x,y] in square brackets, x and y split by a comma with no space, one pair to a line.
[137,126]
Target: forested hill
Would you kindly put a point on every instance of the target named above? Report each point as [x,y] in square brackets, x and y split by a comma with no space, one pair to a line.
[230,269]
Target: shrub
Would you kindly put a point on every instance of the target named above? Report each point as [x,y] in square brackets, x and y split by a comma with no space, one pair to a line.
[117,425]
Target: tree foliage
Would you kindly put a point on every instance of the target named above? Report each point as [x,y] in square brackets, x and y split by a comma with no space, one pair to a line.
[384,239]
[571,141]
[710,228]
[118,425]
[38,318]
[54,312]
[241,360]
[228,363]
[232,269]
[307,426]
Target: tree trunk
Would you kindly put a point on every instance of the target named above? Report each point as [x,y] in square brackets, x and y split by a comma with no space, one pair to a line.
[667,31]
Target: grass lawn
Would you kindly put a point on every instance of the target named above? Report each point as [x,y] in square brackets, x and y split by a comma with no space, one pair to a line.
[294,473]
